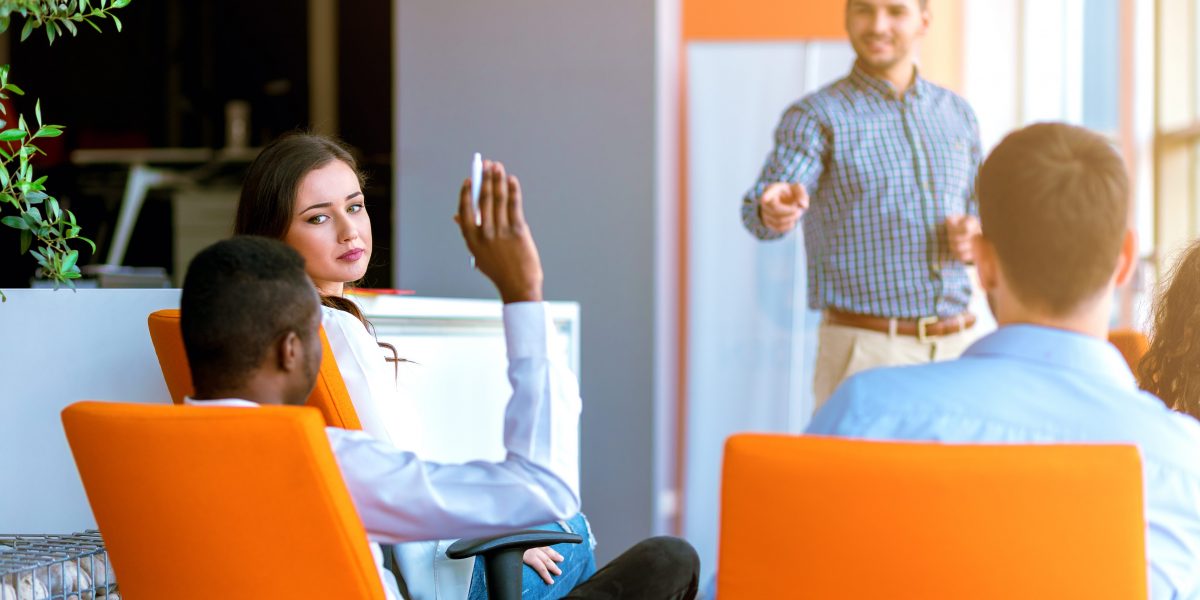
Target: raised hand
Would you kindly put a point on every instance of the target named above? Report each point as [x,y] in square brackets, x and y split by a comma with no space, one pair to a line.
[502,243]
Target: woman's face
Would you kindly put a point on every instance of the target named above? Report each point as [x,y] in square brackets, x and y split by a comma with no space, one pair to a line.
[330,227]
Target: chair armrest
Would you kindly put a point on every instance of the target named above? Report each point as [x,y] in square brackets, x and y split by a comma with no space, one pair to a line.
[502,557]
[523,540]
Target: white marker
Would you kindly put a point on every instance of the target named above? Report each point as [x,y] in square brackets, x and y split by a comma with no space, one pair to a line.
[476,183]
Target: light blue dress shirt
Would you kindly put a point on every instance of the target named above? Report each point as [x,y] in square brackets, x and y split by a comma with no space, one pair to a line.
[1029,384]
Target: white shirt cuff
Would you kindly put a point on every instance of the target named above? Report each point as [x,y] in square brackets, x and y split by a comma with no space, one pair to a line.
[526,329]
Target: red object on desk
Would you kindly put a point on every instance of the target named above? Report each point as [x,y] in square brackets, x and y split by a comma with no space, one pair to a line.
[381,292]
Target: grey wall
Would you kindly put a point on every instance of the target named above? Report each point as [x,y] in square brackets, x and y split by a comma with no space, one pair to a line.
[562,91]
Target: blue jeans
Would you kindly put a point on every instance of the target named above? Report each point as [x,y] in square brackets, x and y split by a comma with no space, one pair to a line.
[579,563]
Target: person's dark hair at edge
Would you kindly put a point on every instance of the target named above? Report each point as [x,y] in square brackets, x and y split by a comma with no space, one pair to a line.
[240,296]
[1054,202]
[1171,367]
[268,198]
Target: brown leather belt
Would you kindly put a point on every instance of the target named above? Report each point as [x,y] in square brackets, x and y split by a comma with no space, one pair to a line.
[925,327]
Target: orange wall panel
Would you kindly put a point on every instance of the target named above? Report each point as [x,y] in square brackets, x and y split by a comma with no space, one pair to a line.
[763,19]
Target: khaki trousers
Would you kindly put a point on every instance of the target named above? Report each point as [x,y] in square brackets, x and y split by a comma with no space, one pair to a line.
[843,351]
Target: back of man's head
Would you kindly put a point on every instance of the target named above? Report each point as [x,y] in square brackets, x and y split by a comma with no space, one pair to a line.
[240,297]
[1054,203]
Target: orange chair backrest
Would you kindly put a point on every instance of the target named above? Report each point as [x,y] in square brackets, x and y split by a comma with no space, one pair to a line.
[214,502]
[1132,344]
[857,519]
[329,395]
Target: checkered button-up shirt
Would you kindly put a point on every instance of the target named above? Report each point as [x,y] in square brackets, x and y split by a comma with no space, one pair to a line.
[883,173]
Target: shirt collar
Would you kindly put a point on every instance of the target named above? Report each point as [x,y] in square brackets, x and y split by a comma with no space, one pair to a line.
[1059,348]
[864,80]
[223,402]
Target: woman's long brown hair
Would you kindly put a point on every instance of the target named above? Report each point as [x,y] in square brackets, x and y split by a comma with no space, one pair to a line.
[1171,368]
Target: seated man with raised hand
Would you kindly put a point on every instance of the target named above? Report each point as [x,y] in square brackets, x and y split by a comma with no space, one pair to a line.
[1054,204]
[250,318]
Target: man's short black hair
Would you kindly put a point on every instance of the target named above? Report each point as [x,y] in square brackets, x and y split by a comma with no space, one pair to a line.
[240,296]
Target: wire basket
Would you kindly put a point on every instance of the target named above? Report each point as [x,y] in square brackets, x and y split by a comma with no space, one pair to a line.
[56,567]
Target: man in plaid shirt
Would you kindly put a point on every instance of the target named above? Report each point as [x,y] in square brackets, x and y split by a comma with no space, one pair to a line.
[884,163]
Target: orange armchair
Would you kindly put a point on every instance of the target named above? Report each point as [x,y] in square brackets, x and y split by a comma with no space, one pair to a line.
[329,395]
[210,502]
[858,519]
[1132,344]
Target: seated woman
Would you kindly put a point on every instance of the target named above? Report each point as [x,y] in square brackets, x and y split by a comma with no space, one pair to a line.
[1171,367]
[306,190]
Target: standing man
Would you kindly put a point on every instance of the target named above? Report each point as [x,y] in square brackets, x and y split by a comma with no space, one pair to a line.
[885,161]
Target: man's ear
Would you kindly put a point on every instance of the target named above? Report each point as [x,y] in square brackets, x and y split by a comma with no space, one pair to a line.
[1127,259]
[985,262]
[290,352]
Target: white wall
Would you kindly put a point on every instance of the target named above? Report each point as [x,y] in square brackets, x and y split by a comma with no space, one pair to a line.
[751,337]
[56,348]
[563,92]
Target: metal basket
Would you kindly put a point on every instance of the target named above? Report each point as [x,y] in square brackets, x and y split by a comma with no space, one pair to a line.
[56,567]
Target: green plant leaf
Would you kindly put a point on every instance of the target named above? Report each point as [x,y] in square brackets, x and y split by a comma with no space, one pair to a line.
[90,243]
[117,22]
[53,212]
[26,240]
[120,3]
[40,181]
[50,32]
[12,87]
[37,111]
[11,135]
[70,27]
[27,29]
[15,223]
[34,213]
[94,26]
[35,197]
[48,131]
[69,261]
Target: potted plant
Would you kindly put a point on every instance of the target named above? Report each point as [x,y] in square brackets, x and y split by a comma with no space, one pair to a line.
[47,229]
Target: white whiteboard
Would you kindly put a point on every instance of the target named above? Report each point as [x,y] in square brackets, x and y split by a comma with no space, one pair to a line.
[458,374]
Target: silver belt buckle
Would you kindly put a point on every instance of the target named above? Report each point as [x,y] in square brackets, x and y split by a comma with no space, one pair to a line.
[921,324]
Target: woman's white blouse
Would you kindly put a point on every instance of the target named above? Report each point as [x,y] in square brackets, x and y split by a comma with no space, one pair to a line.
[383,410]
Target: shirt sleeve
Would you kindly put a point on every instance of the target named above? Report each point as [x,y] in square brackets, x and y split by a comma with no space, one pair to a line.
[403,498]
[798,157]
